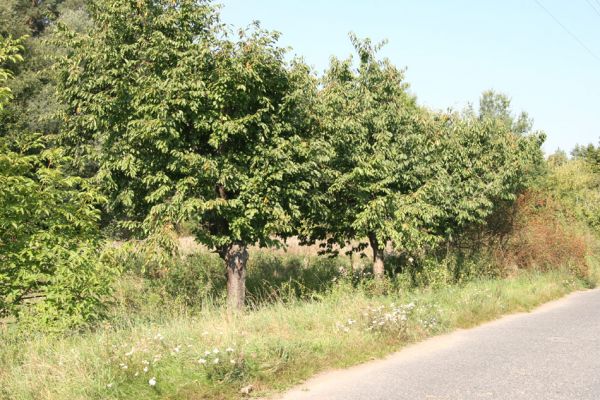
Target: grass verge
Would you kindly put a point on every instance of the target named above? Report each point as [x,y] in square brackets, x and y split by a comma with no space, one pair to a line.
[212,355]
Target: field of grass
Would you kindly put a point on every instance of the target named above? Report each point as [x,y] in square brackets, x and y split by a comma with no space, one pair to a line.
[159,349]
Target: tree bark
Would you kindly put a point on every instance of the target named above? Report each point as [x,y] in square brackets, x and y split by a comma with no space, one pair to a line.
[378,268]
[236,257]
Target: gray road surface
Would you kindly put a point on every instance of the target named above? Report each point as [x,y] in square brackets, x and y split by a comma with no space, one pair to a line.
[551,353]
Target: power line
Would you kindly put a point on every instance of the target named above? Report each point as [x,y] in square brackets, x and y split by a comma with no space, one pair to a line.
[594,6]
[567,30]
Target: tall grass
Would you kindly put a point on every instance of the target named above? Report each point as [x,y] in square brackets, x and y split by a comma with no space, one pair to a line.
[272,347]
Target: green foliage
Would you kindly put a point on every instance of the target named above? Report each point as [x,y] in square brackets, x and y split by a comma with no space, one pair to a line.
[153,278]
[50,275]
[576,185]
[196,281]
[23,17]
[558,158]
[48,227]
[10,50]
[404,176]
[183,122]
[277,278]
[451,269]
[485,163]
[496,106]
[35,105]
[375,183]
[76,292]
[177,121]
[590,154]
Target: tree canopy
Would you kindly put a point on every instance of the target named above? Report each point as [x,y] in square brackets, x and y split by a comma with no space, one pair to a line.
[383,146]
[403,176]
[165,115]
[178,120]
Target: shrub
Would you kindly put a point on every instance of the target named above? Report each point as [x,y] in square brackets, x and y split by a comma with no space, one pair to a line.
[50,272]
[541,239]
[75,294]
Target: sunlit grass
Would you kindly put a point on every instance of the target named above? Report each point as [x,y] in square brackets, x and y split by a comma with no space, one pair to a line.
[213,355]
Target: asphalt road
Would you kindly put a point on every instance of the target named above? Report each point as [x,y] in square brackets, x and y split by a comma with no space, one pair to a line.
[550,353]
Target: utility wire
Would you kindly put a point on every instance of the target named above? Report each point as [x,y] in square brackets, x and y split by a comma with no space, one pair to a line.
[567,30]
[594,6]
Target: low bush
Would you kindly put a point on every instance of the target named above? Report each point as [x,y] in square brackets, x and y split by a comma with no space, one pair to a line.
[52,276]
[542,240]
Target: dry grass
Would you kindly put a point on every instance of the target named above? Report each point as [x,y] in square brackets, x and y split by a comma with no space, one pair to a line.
[291,247]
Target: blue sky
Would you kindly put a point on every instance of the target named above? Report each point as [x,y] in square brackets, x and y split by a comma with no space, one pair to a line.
[455,49]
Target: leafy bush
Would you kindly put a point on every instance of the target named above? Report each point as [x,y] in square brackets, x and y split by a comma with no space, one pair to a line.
[76,292]
[50,271]
[51,276]
[576,185]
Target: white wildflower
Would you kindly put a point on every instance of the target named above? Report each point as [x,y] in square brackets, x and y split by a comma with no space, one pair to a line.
[215,350]
[202,361]
[229,350]
[232,361]
[216,361]
[152,381]
[145,369]
[109,385]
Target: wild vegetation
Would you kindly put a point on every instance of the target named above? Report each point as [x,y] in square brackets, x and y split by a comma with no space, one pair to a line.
[186,212]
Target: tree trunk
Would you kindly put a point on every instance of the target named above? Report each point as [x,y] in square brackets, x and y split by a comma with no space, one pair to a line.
[378,269]
[236,257]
